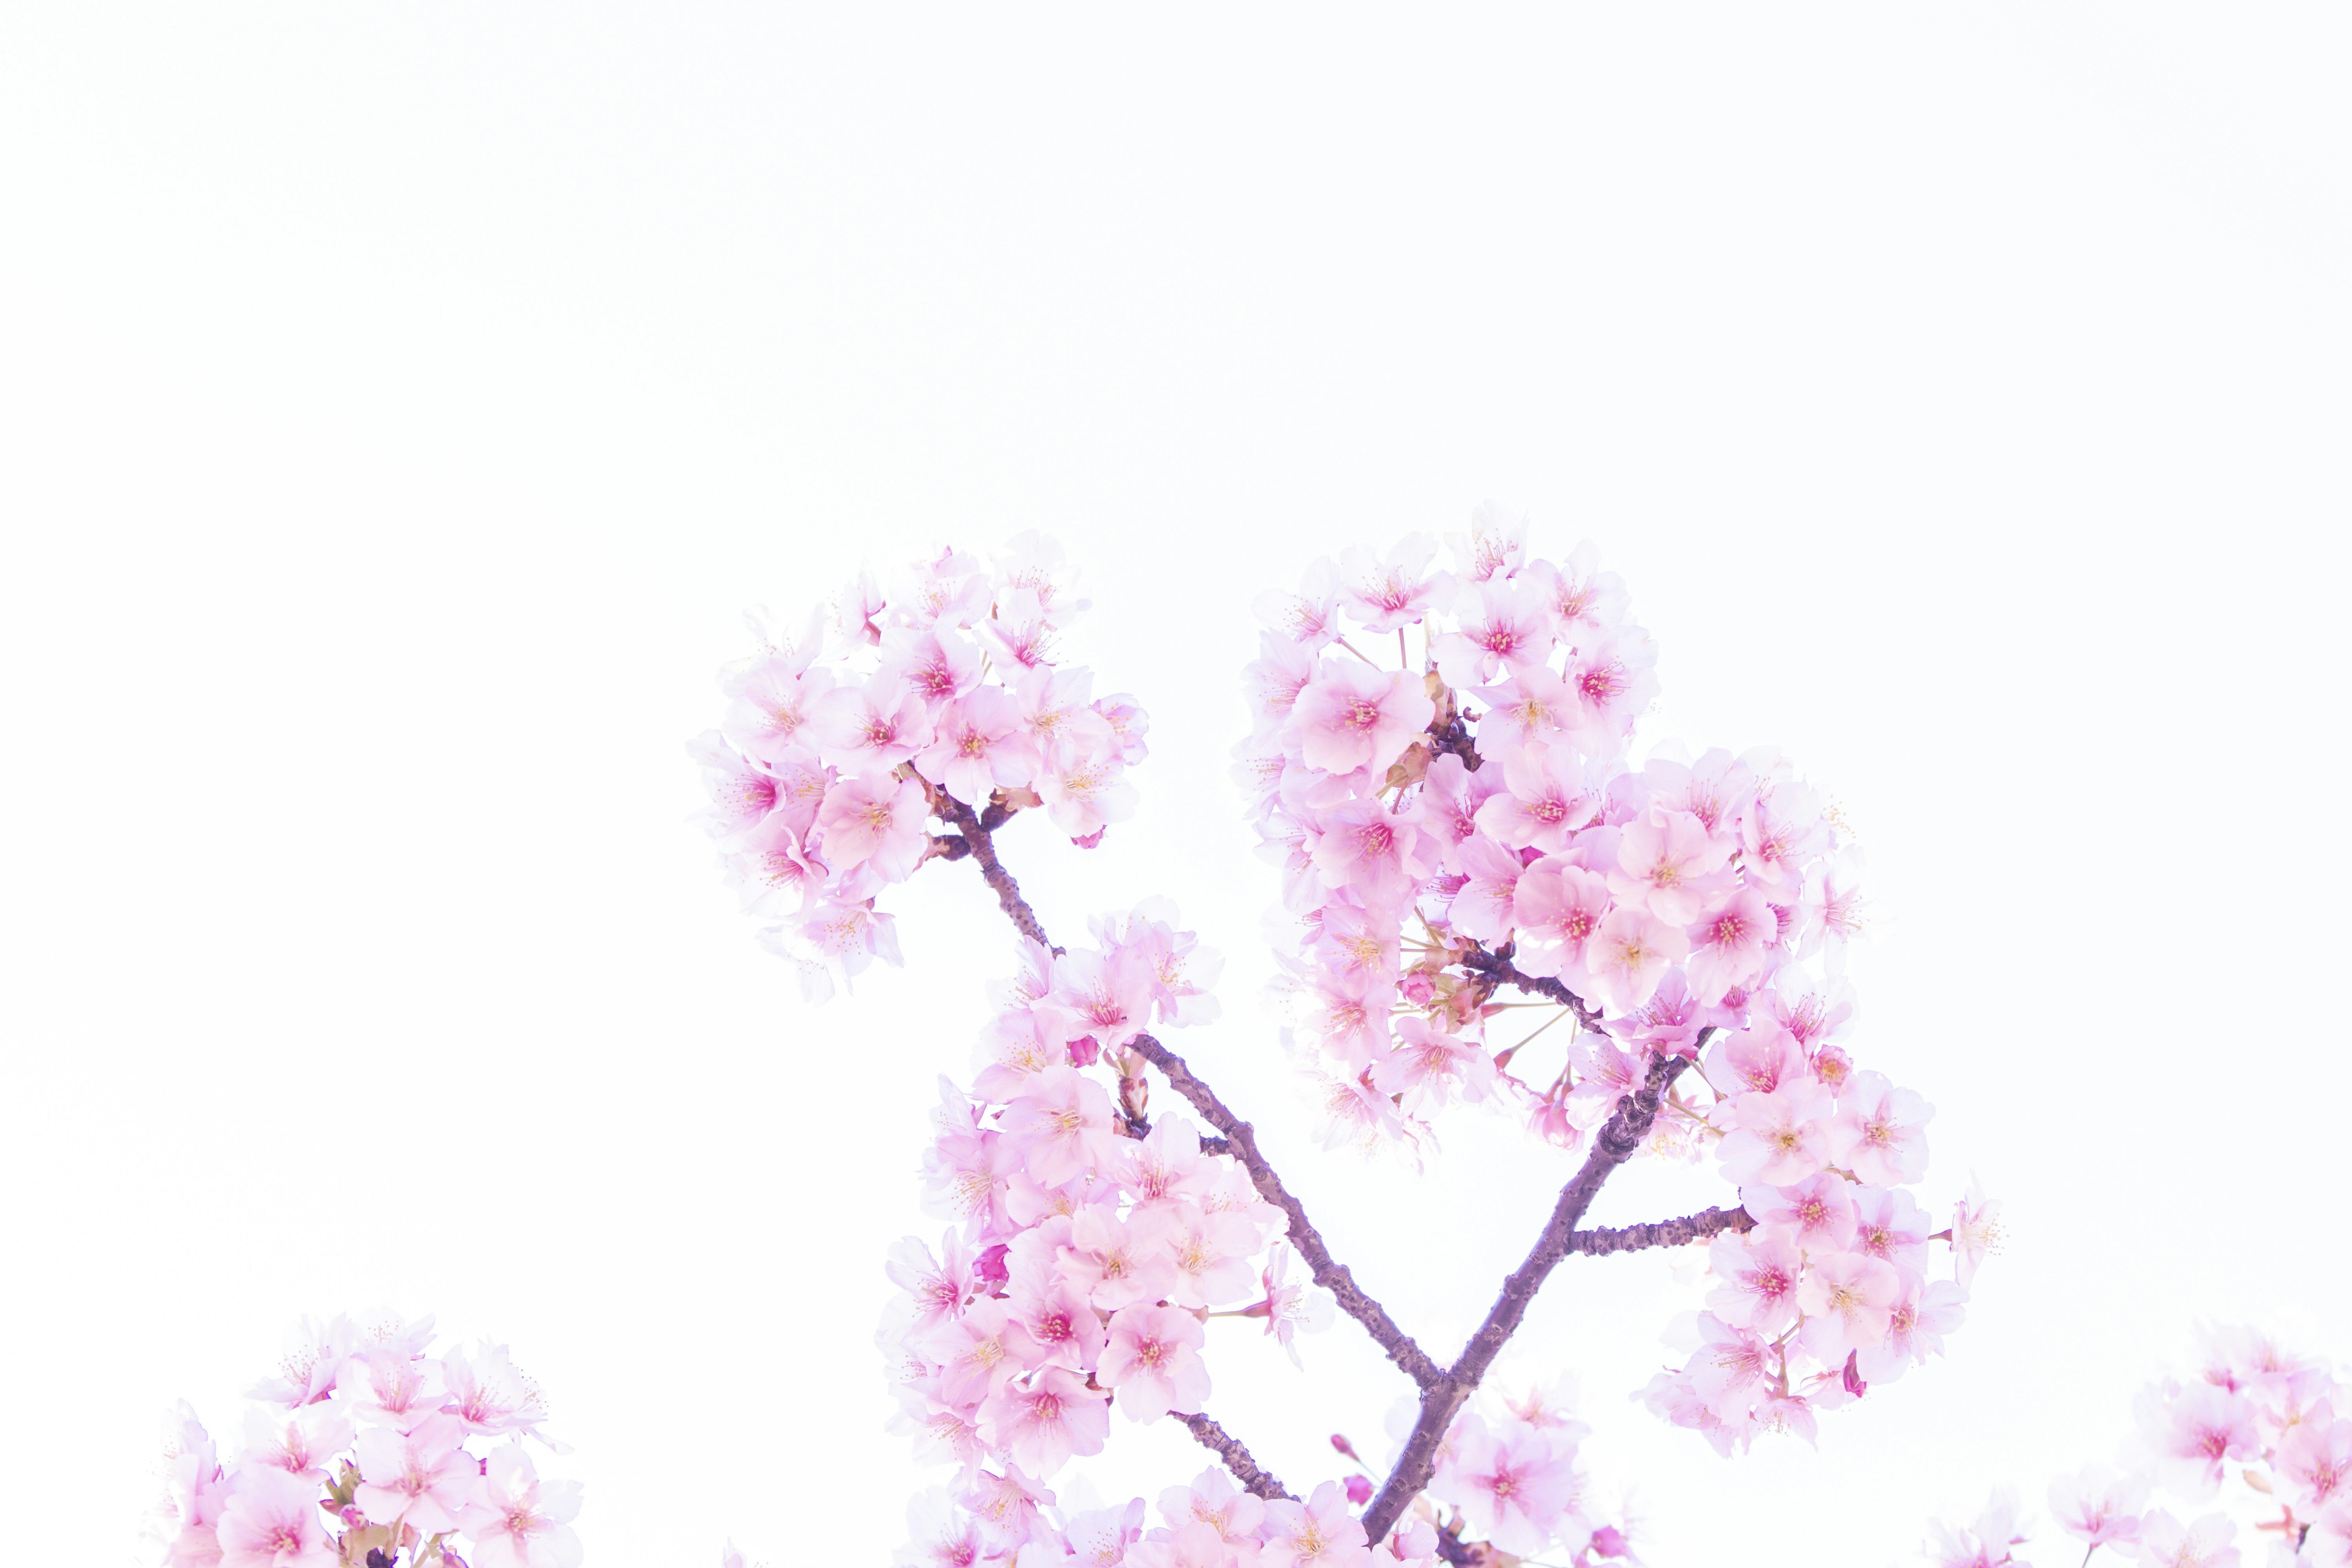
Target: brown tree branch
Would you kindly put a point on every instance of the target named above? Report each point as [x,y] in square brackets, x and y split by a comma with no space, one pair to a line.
[1228,1448]
[1498,966]
[1621,1136]
[1327,1270]
[1680,1232]
[979,835]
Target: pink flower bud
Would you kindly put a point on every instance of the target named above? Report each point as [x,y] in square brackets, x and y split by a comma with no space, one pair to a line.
[1084,1051]
[1360,1490]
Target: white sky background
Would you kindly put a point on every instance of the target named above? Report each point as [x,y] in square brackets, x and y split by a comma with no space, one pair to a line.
[398,406]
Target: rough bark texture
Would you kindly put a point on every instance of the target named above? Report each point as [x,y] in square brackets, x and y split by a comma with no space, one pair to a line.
[979,838]
[1228,1448]
[1700,1226]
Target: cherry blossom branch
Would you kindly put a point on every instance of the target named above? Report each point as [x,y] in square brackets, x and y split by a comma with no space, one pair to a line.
[1331,1275]
[979,837]
[1619,1136]
[1328,1271]
[1497,965]
[1444,1392]
[1228,1448]
[1680,1232]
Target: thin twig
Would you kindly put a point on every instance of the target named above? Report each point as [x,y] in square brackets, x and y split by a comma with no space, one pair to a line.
[1621,1136]
[1328,1271]
[1248,1471]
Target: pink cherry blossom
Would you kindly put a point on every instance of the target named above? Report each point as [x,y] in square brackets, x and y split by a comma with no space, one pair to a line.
[978,746]
[1610,678]
[1153,1359]
[1364,846]
[300,1442]
[1506,626]
[1496,544]
[872,727]
[1386,595]
[1085,797]
[421,1477]
[1558,907]
[1777,1138]
[1483,906]
[2166,1542]
[1532,709]
[1758,1274]
[518,1520]
[2199,1429]
[1627,957]
[1516,1484]
[1352,716]
[937,665]
[772,700]
[1817,1212]
[1105,994]
[1985,1543]
[874,820]
[1923,1313]
[273,1522]
[1976,1231]
[1062,1125]
[2099,1506]
[1550,793]
[1669,862]
[1046,1419]
[1890,1226]
[1309,616]
[1120,1262]
[1316,1533]
[1760,1059]
[1848,1301]
[1875,1133]
[2315,1461]
[742,792]
[1729,944]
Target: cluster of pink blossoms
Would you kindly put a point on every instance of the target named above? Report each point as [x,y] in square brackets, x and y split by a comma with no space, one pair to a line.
[365,1451]
[1466,813]
[2256,1430]
[1092,1243]
[941,696]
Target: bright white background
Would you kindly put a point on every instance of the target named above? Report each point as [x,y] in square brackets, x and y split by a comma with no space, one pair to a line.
[398,404]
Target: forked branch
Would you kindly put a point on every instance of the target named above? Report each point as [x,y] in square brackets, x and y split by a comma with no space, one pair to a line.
[1621,1134]
[1444,1391]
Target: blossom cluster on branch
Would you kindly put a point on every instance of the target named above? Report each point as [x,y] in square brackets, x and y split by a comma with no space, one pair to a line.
[1465,823]
[1472,819]
[844,738]
[2257,1437]
[367,1451]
